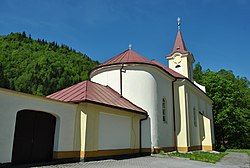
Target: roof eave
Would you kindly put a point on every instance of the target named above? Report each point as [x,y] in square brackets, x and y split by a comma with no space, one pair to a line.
[109,105]
[192,83]
[142,63]
[173,52]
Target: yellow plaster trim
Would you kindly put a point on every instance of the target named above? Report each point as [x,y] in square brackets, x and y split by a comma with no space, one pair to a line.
[146,150]
[113,152]
[207,148]
[192,148]
[165,149]
[66,154]
[98,153]
[182,149]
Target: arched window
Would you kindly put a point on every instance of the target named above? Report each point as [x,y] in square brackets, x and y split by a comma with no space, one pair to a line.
[164,110]
[195,117]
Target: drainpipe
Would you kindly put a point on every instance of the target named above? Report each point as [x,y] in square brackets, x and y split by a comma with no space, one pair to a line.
[173,97]
[141,134]
[121,71]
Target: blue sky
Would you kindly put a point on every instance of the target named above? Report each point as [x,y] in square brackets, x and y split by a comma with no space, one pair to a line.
[217,32]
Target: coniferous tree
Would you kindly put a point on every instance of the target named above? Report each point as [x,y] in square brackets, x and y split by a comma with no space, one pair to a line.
[39,67]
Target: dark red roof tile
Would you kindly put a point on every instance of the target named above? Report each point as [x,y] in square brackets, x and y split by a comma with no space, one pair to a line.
[172,72]
[96,93]
[130,56]
[179,44]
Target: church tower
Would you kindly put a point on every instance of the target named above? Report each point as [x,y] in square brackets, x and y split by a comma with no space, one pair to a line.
[180,59]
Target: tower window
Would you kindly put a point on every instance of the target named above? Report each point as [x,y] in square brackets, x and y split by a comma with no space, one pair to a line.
[164,110]
[177,66]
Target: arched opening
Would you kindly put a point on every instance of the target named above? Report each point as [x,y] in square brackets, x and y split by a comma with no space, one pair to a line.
[34,137]
[177,66]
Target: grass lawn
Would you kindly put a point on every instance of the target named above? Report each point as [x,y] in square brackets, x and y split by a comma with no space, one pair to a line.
[200,156]
[240,150]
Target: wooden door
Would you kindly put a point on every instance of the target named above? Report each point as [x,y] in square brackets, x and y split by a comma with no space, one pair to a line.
[34,137]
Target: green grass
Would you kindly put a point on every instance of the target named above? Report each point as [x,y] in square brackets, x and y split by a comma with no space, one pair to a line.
[200,156]
[240,150]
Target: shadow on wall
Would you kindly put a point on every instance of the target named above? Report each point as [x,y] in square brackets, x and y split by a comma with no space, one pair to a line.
[201,126]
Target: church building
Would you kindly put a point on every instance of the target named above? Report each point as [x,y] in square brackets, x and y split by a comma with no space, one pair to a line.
[130,106]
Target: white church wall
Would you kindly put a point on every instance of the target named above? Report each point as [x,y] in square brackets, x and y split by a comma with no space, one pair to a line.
[146,134]
[11,102]
[202,133]
[194,126]
[140,87]
[110,78]
[145,86]
[134,83]
[164,90]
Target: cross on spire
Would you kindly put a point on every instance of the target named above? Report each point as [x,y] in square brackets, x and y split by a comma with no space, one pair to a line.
[130,46]
[179,23]
[179,44]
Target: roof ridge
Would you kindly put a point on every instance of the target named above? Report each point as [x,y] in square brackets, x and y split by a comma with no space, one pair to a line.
[129,54]
[65,89]
[115,57]
[124,54]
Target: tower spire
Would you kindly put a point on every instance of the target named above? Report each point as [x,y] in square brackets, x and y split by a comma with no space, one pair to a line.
[179,44]
[180,59]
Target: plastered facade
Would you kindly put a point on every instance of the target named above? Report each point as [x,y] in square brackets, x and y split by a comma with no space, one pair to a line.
[82,130]
[96,142]
[155,85]
[11,102]
[146,86]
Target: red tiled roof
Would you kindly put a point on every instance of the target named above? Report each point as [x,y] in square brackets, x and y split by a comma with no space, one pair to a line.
[92,92]
[130,56]
[172,72]
[179,44]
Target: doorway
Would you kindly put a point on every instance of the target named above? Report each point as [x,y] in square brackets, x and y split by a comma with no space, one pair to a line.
[34,137]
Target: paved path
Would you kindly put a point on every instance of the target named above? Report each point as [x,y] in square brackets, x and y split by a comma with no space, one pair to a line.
[232,160]
[235,160]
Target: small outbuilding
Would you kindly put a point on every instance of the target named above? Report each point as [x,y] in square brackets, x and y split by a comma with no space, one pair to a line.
[84,121]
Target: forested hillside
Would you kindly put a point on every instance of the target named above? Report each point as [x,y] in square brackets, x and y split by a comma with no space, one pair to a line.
[231,107]
[40,67]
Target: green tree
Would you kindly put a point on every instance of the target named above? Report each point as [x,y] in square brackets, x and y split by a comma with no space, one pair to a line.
[198,73]
[3,80]
[40,67]
[231,107]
